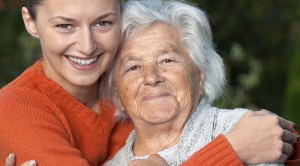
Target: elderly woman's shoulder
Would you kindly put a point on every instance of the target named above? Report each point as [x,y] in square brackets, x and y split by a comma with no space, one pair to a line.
[227,118]
[233,114]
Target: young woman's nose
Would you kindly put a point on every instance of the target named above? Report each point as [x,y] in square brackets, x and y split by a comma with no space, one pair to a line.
[152,75]
[86,43]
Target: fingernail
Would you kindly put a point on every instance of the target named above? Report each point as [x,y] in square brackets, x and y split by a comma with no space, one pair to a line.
[32,163]
[11,156]
[294,126]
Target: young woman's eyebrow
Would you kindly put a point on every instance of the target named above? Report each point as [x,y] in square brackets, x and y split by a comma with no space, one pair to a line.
[68,19]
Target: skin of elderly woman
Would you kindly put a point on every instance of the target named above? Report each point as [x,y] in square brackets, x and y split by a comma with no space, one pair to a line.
[61,92]
[166,77]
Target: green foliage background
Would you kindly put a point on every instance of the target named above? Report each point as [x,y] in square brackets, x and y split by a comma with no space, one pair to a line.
[258,39]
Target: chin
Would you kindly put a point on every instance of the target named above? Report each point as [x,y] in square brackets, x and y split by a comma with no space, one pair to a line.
[160,112]
[160,118]
[84,82]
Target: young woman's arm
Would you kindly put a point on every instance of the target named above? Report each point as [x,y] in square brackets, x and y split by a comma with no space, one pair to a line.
[258,137]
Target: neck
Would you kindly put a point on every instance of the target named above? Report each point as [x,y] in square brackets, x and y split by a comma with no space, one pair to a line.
[88,96]
[152,140]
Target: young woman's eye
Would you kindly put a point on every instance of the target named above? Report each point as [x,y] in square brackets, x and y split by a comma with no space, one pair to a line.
[64,26]
[104,23]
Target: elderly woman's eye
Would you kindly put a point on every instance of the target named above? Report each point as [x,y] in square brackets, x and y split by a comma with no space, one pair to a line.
[168,60]
[132,68]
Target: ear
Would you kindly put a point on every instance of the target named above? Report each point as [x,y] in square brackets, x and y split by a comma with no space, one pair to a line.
[29,23]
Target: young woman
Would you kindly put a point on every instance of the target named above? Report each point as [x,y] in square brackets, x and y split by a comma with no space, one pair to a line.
[52,112]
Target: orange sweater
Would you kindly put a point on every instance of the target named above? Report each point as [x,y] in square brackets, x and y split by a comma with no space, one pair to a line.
[41,121]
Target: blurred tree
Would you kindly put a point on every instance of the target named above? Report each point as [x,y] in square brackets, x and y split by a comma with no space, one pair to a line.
[292,94]
[257,41]
[17,48]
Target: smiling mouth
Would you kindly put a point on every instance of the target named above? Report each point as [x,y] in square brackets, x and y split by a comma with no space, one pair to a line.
[82,62]
[151,97]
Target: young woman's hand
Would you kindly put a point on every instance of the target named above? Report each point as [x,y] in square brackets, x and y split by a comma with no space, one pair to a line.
[261,137]
[11,160]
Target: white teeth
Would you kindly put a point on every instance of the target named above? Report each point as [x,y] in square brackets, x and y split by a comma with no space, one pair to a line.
[81,61]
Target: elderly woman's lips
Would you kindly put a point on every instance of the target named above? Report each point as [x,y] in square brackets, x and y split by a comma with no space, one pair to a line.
[156,96]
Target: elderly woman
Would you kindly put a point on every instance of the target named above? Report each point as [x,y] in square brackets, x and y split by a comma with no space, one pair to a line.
[165,79]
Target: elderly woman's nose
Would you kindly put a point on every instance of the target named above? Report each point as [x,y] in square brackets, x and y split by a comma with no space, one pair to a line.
[86,43]
[152,75]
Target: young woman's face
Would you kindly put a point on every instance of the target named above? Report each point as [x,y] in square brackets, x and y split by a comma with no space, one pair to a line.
[79,39]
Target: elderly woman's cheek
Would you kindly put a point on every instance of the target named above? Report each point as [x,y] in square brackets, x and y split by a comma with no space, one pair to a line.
[184,97]
[189,94]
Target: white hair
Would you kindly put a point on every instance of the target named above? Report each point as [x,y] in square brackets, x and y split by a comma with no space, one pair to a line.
[193,26]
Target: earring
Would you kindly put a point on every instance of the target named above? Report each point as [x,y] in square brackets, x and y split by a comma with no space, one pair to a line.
[35,36]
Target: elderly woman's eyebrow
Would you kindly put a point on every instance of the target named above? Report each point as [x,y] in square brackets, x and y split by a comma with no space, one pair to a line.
[133,56]
[129,57]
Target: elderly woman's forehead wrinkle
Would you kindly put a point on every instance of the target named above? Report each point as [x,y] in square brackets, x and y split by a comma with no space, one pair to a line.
[147,41]
[148,49]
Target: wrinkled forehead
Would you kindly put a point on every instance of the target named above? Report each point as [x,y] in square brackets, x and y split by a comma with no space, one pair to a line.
[152,41]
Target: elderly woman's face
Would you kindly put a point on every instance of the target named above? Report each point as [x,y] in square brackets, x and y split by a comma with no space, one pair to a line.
[156,80]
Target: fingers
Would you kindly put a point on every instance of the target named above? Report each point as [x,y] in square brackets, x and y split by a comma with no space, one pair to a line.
[289,137]
[10,160]
[29,163]
[283,158]
[287,149]
[286,124]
